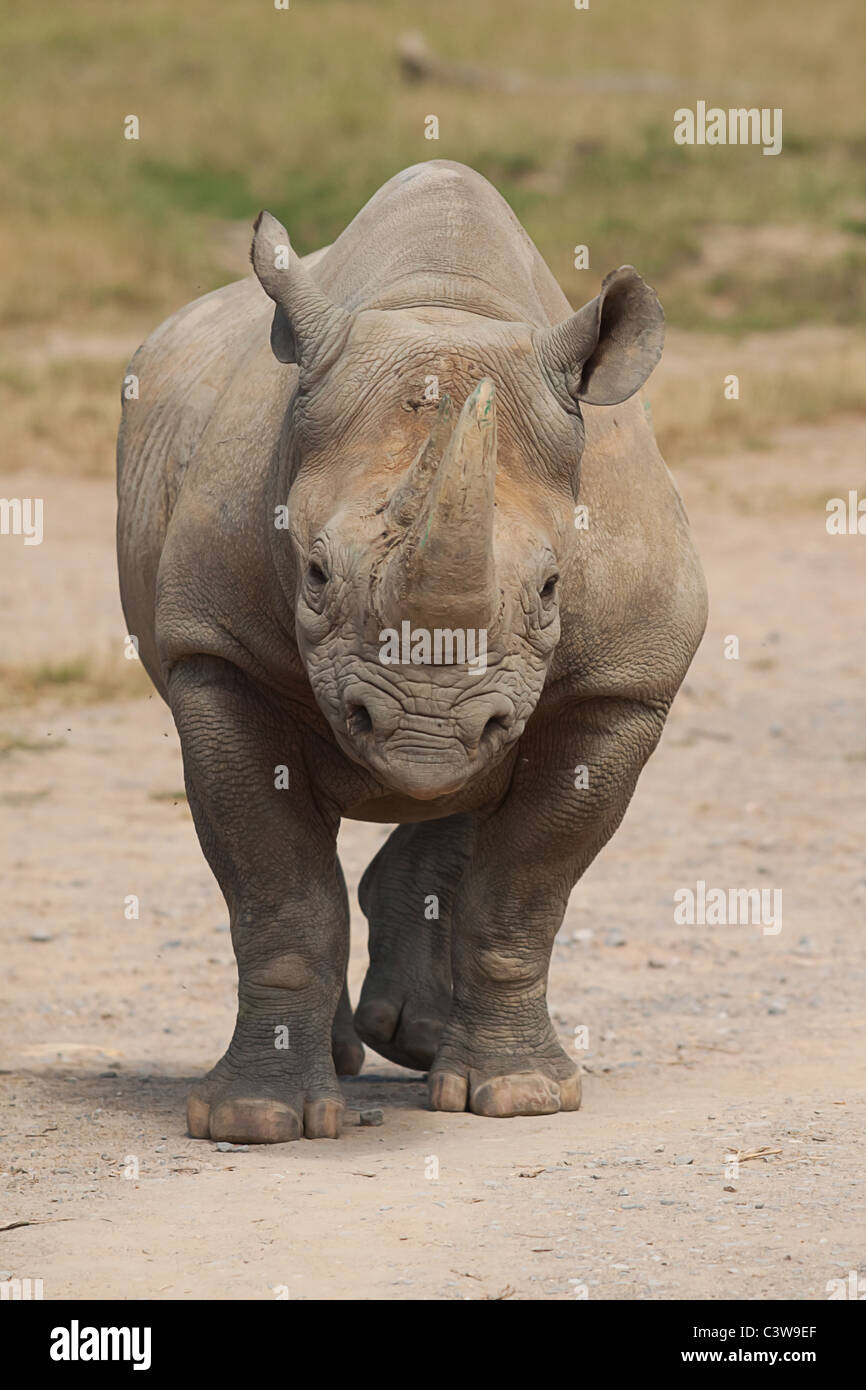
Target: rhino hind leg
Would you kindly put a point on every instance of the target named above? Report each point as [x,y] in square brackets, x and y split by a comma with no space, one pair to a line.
[346,1046]
[406,894]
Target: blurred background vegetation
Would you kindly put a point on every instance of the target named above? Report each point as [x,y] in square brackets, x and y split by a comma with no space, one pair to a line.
[307,111]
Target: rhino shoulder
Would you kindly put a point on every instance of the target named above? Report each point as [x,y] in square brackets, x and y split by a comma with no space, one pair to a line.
[179,373]
[635,603]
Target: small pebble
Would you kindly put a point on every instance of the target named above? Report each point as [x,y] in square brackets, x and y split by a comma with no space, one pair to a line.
[372,1117]
[40,934]
[683,1159]
[224,1147]
[614,938]
[778,1006]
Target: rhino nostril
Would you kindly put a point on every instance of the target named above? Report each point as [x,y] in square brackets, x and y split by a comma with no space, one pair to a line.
[358,720]
[497,724]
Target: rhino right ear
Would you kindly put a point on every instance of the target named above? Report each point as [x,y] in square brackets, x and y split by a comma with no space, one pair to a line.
[305,322]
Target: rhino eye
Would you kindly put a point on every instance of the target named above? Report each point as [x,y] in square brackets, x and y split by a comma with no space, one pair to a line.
[548,589]
[316,584]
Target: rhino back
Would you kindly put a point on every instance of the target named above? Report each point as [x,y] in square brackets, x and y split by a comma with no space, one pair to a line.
[439,233]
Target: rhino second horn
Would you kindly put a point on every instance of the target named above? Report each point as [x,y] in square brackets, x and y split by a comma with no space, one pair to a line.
[442,573]
[305,320]
[408,498]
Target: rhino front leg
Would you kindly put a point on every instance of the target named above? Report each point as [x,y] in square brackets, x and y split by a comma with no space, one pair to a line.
[273,852]
[499,1054]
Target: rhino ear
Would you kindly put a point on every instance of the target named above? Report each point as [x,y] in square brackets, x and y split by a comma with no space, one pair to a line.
[606,351]
[305,322]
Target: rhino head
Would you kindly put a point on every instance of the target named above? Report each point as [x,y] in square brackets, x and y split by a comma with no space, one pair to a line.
[428,541]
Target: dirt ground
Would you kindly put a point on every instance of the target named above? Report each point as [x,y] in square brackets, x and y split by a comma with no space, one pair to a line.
[702,1039]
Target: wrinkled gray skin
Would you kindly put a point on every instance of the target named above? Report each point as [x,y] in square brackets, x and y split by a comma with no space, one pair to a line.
[265,640]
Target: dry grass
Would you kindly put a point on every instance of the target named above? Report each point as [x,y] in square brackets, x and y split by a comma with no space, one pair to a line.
[784,378]
[60,415]
[83,681]
[17,743]
[306,111]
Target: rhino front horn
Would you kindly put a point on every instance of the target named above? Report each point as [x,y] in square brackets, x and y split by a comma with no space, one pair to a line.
[305,321]
[442,573]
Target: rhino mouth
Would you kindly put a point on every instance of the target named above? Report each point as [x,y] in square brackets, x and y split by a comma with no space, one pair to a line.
[416,770]
[425,763]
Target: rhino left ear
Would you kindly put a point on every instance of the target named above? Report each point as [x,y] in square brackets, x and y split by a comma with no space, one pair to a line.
[305,321]
[606,351]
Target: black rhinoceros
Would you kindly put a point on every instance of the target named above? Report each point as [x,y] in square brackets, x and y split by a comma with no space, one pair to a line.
[362,600]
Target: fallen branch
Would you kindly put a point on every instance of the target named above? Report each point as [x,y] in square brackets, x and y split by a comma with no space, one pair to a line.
[743,1155]
[418,63]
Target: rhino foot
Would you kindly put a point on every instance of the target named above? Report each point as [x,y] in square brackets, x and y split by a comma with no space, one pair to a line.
[406,996]
[406,1031]
[348,1054]
[240,1106]
[501,1085]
